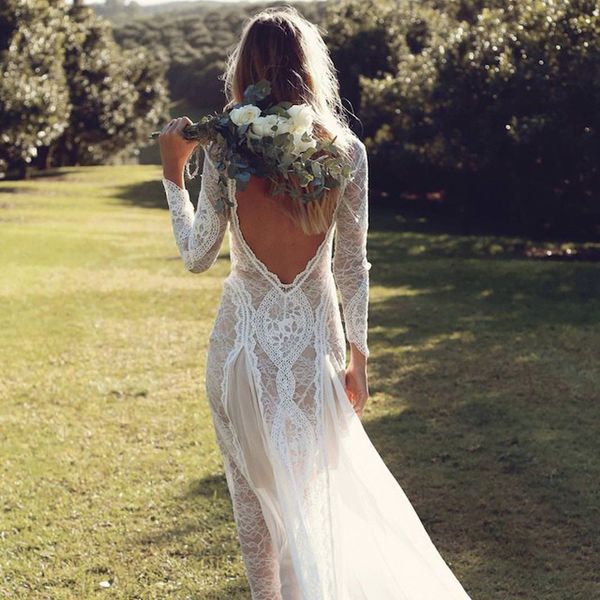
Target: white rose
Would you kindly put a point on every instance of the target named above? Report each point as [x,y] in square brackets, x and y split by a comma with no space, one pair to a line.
[283,124]
[300,145]
[301,116]
[244,115]
[263,126]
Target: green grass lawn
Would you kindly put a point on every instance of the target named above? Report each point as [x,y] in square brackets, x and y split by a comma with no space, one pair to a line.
[484,381]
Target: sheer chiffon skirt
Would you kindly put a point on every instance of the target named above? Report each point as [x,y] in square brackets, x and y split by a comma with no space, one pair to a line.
[319,515]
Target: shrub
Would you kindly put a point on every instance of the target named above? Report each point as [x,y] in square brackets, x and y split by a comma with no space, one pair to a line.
[504,111]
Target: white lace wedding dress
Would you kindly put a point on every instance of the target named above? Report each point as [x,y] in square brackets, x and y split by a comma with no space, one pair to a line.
[318,514]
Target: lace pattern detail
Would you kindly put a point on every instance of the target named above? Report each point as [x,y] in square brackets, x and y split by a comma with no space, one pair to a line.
[198,234]
[256,543]
[350,264]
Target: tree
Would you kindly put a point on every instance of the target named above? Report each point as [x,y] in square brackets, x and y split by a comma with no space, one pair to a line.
[503,111]
[116,96]
[359,37]
[33,93]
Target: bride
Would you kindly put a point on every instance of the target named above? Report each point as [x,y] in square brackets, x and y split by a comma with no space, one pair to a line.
[318,514]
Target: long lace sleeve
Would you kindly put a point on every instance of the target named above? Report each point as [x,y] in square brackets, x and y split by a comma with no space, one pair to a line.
[350,264]
[198,235]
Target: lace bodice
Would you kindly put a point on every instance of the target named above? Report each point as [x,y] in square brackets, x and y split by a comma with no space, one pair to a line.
[199,234]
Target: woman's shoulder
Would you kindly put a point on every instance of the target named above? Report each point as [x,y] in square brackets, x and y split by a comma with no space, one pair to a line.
[357,154]
[355,140]
[357,160]
[357,148]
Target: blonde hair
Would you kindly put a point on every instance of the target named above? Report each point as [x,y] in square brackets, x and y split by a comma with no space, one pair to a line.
[280,45]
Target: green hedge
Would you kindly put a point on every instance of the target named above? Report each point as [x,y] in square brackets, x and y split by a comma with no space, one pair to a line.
[499,106]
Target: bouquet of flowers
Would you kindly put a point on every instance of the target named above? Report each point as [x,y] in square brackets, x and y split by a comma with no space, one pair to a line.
[270,140]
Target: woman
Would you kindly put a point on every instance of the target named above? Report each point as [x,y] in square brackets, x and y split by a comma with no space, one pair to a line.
[318,514]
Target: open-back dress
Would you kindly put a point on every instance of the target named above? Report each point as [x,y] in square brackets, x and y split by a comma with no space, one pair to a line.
[318,514]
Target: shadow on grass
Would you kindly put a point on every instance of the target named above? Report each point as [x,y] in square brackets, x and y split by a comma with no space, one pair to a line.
[202,534]
[10,190]
[503,502]
[486,369]
[151,194]
[51,173]
[205,501]
[148,194]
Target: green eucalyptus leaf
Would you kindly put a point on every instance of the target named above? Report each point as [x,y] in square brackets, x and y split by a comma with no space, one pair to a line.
[256,92]
[304,178]
[281,139]
[277,109]
[309,152]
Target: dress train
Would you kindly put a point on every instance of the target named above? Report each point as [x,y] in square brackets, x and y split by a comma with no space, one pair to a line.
[379,548]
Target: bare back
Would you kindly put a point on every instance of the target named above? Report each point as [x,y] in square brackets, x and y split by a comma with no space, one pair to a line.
[279,243]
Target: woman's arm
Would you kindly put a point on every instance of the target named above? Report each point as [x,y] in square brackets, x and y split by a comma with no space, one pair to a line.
[198,234]
[350,264]
[351,273]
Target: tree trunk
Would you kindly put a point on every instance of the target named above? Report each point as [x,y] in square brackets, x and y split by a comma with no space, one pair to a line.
[22,169]
[74,155]
[43,157]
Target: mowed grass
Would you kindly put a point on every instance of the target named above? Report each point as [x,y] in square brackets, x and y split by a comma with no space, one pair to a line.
[484,380]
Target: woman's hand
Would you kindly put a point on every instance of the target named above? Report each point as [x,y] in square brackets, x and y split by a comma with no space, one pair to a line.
[175,150]
[357,386]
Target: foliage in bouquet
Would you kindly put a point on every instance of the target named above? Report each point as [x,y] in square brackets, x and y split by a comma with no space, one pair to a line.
[275,141]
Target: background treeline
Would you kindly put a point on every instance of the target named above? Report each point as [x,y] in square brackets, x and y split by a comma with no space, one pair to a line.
[194,42]
[69,94]
[493,107]
[495,103]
